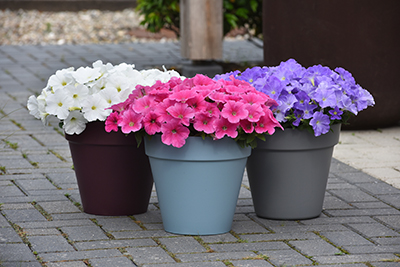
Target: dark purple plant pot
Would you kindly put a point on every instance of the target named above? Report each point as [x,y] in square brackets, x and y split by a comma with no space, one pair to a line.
[113,174]
[361,36]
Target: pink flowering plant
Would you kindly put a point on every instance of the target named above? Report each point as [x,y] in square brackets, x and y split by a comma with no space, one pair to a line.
[197,106]
[311,98]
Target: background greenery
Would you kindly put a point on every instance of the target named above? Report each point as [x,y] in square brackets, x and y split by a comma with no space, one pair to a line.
[158,14]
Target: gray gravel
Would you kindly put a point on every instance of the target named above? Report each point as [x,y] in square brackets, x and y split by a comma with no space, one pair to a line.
[32,27]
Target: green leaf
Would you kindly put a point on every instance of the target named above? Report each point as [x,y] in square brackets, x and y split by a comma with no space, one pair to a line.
[242,12]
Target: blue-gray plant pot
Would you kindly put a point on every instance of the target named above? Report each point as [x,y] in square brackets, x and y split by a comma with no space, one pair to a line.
[288,173]
[198,184]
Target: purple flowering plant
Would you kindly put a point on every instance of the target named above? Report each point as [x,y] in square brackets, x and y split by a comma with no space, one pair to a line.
[311,98]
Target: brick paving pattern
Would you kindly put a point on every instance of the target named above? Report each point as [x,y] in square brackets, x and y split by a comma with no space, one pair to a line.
[40,225]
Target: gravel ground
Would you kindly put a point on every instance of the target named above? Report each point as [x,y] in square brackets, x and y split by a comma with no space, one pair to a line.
[32,27]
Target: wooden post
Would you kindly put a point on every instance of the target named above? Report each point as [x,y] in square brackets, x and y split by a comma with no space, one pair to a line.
[201,29]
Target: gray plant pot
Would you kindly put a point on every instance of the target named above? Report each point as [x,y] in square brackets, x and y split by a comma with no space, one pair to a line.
[288,173]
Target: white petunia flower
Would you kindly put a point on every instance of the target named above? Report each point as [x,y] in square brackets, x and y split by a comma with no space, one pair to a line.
[94,108]
[58,104]
[78,93]
[85,75]
[117,81]
[104,68]
[75,123]
[79,96]
[33,107]
[110,94]
[60,79]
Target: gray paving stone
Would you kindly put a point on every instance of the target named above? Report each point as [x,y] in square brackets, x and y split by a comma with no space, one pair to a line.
[386,264]
[79,255]
[141,234]
[40,232]
[344,265]
[8,235]
[199,257]
[346,238]
[149,217]
[4,222]
[198,264]
[286,257]
[50,243]
[10,190]
[374,230]
[223,238]
[393,200]
[118,224]
[184,244]
[24,215]
[314,247]
[338,259]
[82,233]
[241,227]
[386,240]
[112,262]
[353,195]
[142,242]
[370,205]
[66,264]
[331,202]
[149,255]
[251,263]
[379,188]
[62,178]
[258,246]
[21,264]
[362,212]
[278,236]
[338,220]
[56,223]
[360,249]
[16,253]
[59,207]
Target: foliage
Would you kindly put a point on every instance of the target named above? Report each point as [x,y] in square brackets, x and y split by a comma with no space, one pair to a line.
[160,14]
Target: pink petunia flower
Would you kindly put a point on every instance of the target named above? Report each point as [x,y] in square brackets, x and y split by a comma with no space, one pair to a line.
[255,98]
[182,96]
[152,123]
[267,123]
[112,122]
[143,105]
[174,133]
[161,109]
[212,110]
[182,112]
[203,122]
[197,103]
[130,122]
[255,112]
[247,126]
[234,111]
[224,127]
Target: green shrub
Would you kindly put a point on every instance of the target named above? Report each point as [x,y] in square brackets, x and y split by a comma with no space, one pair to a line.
[160,14]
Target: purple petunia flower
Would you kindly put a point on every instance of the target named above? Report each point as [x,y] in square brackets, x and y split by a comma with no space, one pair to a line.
[320,123]
[335,113]
[310,97]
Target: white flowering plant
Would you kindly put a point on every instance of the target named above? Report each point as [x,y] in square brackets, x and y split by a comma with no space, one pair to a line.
[86,94]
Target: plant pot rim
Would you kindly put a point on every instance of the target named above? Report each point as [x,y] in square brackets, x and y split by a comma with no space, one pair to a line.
[223,149]
[295,139]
